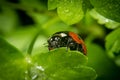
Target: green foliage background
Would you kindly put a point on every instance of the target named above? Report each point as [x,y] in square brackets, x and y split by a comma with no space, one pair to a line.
[25,26]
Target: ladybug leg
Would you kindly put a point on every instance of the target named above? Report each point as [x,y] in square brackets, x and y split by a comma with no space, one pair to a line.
[68,44]
[77,47]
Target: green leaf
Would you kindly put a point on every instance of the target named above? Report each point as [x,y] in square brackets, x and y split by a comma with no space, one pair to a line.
[102,20]
[108,8]
[12,64]
[62,65]
[62,58]
[79,73]
[70,11]
[112,45]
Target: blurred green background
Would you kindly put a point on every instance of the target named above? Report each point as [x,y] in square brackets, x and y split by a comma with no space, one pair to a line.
[21,20]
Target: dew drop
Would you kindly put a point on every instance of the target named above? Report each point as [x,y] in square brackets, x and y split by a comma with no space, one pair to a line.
[40,68]
[106,20]
[34,77]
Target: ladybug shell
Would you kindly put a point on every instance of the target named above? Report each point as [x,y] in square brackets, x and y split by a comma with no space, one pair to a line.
[67,39]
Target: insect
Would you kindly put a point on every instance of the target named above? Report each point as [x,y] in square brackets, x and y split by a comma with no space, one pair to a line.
[67,39]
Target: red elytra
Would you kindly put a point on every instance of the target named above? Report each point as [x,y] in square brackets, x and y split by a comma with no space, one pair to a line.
[76,38]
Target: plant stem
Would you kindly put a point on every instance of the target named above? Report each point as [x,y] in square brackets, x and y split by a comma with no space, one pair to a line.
[29,51]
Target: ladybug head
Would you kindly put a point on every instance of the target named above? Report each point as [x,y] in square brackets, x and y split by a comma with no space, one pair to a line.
[54,42]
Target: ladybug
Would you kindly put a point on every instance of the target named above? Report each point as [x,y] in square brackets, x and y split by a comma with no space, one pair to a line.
[67,39]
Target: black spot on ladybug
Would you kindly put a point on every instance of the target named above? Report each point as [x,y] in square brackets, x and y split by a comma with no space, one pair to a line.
[67,39]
